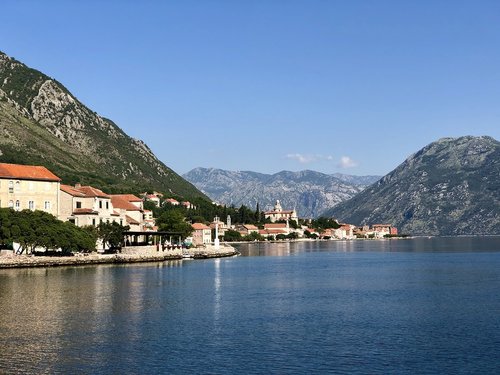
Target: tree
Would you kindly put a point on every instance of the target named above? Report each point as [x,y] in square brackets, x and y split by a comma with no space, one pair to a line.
[232,235]
[254,236]
[38,229]
[174,221]
[111,234]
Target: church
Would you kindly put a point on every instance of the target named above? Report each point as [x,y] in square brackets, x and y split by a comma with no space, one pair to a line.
[278,214]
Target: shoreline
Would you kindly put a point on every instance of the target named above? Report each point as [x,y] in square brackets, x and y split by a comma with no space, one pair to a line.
[28,261]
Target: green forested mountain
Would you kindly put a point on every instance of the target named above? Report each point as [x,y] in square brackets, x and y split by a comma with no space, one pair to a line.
[41,122]
[450,187]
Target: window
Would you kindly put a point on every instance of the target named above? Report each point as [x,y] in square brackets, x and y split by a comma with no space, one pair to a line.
[93,222]
[107,205]
[78,204]
[11,204]
[31,205]
[47,206]
[18,186]
[18,205]
[11,186]
[100,204]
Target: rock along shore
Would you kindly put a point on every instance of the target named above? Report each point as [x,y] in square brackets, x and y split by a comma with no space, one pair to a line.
[10,260]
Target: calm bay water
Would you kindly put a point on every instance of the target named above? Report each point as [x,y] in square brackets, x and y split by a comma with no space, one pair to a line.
[400,306]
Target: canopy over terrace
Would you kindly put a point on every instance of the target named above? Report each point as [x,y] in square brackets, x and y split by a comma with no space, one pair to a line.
[135,238]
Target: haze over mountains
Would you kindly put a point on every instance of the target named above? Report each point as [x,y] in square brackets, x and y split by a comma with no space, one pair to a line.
[309,192]
[42,123]
[450,187]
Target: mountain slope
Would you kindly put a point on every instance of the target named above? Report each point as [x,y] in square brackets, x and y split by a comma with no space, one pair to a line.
[307,191]
[450,187]
[41,122]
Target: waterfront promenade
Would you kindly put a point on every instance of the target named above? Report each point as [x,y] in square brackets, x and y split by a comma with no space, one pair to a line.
[128,255]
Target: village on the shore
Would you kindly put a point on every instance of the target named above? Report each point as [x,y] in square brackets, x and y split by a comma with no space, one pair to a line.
[25,187]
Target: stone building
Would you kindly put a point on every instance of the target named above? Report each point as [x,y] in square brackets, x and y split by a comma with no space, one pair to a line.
[29,187]
[278,214]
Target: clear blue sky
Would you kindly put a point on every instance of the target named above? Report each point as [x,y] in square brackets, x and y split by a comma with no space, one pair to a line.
[334,86]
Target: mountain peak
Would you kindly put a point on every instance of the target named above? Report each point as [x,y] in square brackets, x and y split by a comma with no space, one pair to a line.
[449,187]
[310,192]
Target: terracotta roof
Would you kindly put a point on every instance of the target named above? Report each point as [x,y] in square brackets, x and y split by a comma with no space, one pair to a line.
[272,231]
[115,213]
[119,202]
[72,191]
[90,191]
[275,226]
[84,191]
[84,211]
[197,226]
[250,227]
[131,221]
[128,197]
[27,172]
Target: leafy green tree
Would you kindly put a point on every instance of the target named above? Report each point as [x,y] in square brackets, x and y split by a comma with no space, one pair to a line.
[322,223]
[174,221]
[232,235]
[34,229]
[254,236]
[111,234]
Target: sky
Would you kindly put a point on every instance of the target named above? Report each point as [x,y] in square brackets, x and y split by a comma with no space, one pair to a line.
[267,85]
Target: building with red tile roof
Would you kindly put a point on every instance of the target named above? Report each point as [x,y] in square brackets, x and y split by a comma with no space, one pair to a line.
[278,214]
[30,187]
[202,234]
[172,201]
[132,208]
[26,172]
[87,205]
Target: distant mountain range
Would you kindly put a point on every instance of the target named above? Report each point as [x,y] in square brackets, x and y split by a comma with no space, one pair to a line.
[41,122]
[450,187]
[309,192]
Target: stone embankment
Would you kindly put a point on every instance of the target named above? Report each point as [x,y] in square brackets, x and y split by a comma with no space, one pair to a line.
[128,255]
[210,251]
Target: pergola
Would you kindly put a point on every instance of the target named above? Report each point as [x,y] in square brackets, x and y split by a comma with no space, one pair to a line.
[132,237]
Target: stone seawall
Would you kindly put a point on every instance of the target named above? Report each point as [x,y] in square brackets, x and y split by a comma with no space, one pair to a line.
[129,255]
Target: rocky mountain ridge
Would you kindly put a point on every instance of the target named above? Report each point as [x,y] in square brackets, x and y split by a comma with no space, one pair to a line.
[41,122]
[307,191]
[450,187]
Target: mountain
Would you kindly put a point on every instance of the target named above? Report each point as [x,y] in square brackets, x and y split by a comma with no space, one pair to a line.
[41,122]
[450,187]
[357,180]
[308,192]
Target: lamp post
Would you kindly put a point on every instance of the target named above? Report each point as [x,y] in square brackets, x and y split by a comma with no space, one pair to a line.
[216,240]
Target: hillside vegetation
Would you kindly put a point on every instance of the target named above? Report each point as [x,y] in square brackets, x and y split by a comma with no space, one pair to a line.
[450,187]
[41,122]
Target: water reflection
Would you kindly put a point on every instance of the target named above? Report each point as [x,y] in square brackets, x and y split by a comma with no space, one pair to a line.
[310,308]
[421,244]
